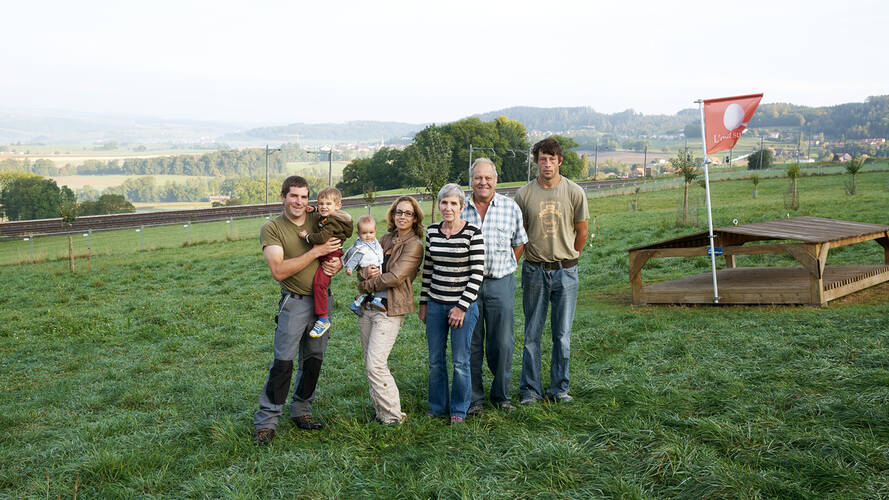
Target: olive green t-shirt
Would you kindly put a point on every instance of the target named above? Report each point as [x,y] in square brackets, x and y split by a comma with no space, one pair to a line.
[549,215]
[281,232]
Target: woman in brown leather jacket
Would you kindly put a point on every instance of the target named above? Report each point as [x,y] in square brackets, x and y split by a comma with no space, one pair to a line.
[403,250]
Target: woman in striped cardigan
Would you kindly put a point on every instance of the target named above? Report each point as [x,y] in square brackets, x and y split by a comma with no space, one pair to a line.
[452,274]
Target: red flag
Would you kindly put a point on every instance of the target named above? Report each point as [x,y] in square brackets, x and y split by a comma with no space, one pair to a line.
[726,118]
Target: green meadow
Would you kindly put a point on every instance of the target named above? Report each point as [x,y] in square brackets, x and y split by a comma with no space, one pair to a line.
[139,377]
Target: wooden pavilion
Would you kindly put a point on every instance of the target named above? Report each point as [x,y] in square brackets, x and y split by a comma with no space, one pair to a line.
[807,239]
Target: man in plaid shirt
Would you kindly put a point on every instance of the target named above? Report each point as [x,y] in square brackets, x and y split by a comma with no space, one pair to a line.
[504,233]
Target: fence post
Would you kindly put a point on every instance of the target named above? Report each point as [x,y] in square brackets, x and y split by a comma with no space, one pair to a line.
[71,250]
[189,232]
[142,238]
[31,245]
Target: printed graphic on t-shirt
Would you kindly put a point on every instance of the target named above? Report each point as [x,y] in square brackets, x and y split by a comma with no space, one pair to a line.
[550,213]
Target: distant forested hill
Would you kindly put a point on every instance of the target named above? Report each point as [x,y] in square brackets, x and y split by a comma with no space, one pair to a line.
[626,122]
[855,120]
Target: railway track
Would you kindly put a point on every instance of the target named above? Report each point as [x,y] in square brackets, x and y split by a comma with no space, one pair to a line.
[18,229]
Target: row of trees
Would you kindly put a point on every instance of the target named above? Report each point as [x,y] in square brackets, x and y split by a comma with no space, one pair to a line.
[25,196]
[40,167]
[34,197]
[440,154]
[146,189]
[240,190]
[224,162]
[228,162]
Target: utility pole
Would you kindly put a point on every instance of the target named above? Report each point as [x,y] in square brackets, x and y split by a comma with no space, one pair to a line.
[645,161]
[761,153]
[267,153]
[799,141]
[596,163]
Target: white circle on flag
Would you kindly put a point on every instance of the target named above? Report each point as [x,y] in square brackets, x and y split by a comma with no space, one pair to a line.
[733,116]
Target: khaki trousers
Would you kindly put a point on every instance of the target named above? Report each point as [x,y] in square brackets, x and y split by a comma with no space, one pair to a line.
[378,334]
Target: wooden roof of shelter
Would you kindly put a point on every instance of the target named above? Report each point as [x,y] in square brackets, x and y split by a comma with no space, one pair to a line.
[804,229]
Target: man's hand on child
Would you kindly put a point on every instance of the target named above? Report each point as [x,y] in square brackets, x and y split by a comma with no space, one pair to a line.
[328,246]
[332,266]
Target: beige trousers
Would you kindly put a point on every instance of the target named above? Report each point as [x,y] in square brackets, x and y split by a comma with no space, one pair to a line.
[378,334]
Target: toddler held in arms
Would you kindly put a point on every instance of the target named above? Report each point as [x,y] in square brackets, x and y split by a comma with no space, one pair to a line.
[334,223]
[366,252]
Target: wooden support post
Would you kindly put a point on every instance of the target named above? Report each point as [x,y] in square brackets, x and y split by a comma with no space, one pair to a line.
[884,242]
[813,257]
[729,261]
[637,260]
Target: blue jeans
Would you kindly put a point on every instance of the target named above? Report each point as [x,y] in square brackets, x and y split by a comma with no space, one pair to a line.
[440,401]
[540,287]
[493,338]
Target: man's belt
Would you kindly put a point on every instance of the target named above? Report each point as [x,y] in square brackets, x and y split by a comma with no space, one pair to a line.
[292,293]
[551,266]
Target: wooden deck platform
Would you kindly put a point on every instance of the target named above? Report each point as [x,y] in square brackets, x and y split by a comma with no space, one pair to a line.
[763,285]
[807,239]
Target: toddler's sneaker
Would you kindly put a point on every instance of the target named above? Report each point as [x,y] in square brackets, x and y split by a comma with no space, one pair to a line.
[356,305]
[355,309]
[377,304]
[319,329]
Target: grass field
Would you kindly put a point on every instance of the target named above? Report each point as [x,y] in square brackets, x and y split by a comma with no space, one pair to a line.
[127,241]
[140,378]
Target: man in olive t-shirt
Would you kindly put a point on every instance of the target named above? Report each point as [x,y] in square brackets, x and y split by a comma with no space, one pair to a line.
[293,262]
[555,214]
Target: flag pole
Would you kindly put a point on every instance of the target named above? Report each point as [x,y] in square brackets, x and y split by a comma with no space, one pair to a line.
[709,211]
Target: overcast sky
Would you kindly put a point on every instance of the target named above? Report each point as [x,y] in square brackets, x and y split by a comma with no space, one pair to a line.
[281,62]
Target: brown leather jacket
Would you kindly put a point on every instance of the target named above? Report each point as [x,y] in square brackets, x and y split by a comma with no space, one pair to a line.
[405,256]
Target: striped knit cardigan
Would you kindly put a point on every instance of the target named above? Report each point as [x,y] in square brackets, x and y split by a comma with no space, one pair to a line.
[453,267]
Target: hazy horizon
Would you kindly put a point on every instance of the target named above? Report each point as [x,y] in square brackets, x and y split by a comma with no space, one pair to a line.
[278,63]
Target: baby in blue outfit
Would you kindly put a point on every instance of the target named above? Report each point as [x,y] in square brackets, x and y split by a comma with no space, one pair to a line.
[366,252]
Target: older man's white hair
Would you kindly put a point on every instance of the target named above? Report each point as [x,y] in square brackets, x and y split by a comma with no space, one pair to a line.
[482,161]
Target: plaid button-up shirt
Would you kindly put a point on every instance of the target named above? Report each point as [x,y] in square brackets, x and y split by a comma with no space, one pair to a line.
[501,230]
